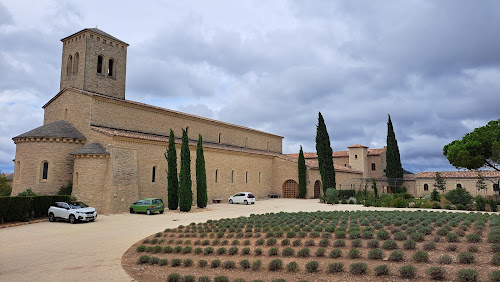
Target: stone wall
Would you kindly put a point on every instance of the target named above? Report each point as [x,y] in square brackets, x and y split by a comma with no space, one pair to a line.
[90,181]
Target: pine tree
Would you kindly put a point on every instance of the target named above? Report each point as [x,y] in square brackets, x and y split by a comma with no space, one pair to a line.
[185,193]
[480,185]
[173,182]
[201,176]
[393,169]
[325,155]
[302,175]
[375,190]
[440,183]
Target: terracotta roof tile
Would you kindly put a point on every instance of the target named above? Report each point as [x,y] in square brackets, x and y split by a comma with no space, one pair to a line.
[91,149]
[339,154]
[357,146]
[459,174]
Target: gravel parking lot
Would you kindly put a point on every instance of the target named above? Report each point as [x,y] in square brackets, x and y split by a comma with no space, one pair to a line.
[92,251]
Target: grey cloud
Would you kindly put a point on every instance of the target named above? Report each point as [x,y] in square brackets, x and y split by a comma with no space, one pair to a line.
[5,16]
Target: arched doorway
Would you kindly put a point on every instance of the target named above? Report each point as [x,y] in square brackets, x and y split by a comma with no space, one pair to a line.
[290,189]
[317,189]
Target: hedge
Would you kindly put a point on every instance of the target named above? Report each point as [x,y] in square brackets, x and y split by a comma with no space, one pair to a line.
[25,208]
[346,194]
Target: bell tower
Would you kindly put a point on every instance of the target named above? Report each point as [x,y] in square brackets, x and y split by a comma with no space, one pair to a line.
[94,61]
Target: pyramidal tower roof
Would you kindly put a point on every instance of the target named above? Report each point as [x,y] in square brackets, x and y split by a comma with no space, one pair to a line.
[97,31]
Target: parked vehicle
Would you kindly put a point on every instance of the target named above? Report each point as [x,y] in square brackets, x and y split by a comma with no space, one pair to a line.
[72,212]
[242,198]
[148,205]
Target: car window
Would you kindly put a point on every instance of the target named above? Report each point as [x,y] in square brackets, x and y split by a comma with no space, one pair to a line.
[250,195]
[147,202]
[156,202]
[159,201]
[140,202]
[59,205]
[65,206]
[239,195]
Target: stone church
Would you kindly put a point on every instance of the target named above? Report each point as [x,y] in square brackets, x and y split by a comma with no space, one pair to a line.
[112,149]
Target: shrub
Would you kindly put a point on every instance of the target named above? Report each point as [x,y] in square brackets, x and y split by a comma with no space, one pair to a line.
[494,276]
[208,250]
[244,264]
[335,267]
[389,245]
[256,265]
[177,249]
[174,277]
[320,252]
[373,244]
[163,262]
[149,249]
[396,256]
[335,253]
[292,267]
[495,260]
[381,270]
[221,251]
[140,248]
[143,259]
[259,242]
[297,242]
[339,234]
[459,196]
[275,265]
[473,238]
[417,237]
[312,266]
[400,236]
[273,251]
[188,278]
[437,273]
[185,250]
[303,253]
[221,279]
[188,262]
[452,238]
[154,260]
[271,242]
[358,268]
[175,262]
[467,275]
[494,238]
[354,254]
[407,271]
[356,243]
[324,243]
[421,256]
[215,263]
[383,235]
[429,246]
[451,247]
[204,279]
[376,254]
[258,251]
[495,247]
[285,242]
[202,263]
[339,243]
[445,259]
[466,258]
[229,264]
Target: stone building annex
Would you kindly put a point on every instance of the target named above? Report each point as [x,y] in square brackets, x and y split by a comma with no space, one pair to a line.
[113,153]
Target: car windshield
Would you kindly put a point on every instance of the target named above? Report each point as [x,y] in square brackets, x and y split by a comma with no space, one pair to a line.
[77,205]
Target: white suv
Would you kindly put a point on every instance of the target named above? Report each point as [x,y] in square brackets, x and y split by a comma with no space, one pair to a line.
[243,198]
[72,211]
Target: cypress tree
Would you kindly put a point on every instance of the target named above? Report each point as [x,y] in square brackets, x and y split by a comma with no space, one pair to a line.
[173,182]
[201,176]
[325,155]
[393,168]
[185,193]
[302,175]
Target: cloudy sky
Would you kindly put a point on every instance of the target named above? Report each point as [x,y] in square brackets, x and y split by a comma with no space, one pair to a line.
[434,66]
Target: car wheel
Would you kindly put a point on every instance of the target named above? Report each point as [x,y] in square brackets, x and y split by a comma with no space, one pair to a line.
[52,218]
[148,212]
[132,210]
[72,219]
[253,203]
[92,220]
[231,201]
[161,212]
[245,202]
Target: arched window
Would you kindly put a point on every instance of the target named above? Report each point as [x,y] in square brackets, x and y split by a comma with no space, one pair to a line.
[17,173]
[459,185]
[99,64]
[426,187]
[153,175]
[246,177]
[70,65]
[220,137]
[45,170]
[232,176]
[76,178]
[111,63]
[75,65]
[66,114]
[259,176]
[216,175]
[373,166]
[246,142]
[356,157]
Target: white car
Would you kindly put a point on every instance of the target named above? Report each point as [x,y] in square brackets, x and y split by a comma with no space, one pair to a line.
[242,198]
[72,211]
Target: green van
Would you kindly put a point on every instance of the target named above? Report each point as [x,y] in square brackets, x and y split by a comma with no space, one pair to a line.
[147,205]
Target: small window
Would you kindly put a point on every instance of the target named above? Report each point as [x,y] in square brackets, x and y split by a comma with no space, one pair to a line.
[345,164]
[17,173]
[99,64]
[246,177]
[459,185]
[70,65]
[216,175]
[267,145]
[220,137]
[66,114]
[259,176]
[426,187]
[153,176]
[110,67]
[75,65]
[246,142]
[45,170]
[232,176]
[356,157]
[76,178]
[373,166]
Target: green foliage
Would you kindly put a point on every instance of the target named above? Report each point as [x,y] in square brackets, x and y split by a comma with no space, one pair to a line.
[332,196]
[173,181]
[5,189]
[375,190]
[480,203]
[201,176]
[408,271]
[440,182]
[445,259]
[393,170]
[493,205]
[459,196]
[477,149]
[421,256]
[325,155]
[376,254]
[221,278]
[185,192]
[143,259]
[381,270]
[468,275]
[24,208]
[335,267]
[174,277]
[466,258]
[302,174]
[495,260]
[66,189]
[275,265]
[27,193]
[292,267]
[358,268]
[494,276]
[435,195]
